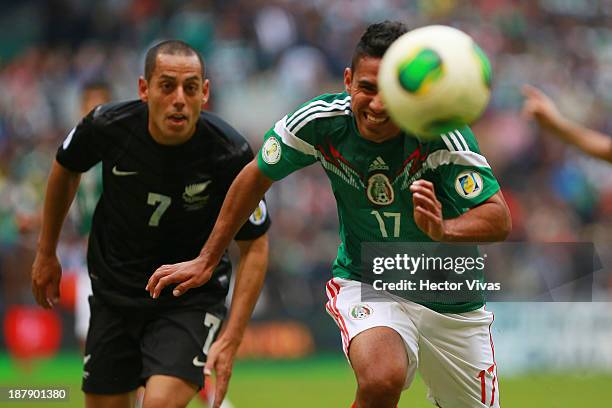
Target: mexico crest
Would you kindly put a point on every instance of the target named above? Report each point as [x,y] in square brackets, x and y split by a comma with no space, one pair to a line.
[360,311]
[379,190]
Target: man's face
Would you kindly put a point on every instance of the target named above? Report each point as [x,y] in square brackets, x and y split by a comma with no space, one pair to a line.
[175,95]
[372,119]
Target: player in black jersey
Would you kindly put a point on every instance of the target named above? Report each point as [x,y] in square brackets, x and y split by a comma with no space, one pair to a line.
[166,169]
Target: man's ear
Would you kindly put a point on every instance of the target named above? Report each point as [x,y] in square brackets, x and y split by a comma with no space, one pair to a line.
[205,93]
[348,79]
[143,89]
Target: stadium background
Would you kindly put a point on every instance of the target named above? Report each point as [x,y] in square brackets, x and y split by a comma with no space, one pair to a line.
[263,58]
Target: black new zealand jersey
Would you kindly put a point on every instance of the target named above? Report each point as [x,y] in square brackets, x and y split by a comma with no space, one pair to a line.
[159,203]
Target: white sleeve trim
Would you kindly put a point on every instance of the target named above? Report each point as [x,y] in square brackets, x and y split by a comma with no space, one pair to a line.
[290,139]
[462,158]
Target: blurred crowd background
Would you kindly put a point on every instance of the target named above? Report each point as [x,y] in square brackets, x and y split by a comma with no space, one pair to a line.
[265,57]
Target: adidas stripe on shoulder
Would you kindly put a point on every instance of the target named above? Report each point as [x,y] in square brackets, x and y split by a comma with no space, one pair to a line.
[317,109]
[458,153]
[289,126]
[455,141]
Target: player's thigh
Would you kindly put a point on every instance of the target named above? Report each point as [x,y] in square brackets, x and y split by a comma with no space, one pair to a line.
[177,341]
[163,391]
[378,357]
[125,400]
[112,360]
[457,359]
[381,318]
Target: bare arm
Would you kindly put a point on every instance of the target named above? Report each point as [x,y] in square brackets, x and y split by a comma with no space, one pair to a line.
[249,281]
[488,222]
[46,270]
[243,196]
[540,107]
[245,193]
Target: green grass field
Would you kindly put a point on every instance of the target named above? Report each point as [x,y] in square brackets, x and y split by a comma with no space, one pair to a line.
[323,381]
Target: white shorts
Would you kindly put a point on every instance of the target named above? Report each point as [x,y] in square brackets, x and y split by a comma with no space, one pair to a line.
[453,351]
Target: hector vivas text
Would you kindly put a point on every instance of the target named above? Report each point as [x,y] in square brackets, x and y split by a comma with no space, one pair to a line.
[420,265]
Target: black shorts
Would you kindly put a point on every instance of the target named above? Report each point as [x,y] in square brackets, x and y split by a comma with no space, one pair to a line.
[126,346]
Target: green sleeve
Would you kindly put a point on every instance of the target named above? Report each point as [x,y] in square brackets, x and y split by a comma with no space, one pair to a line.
[284,152]
[291,143]
[462,174]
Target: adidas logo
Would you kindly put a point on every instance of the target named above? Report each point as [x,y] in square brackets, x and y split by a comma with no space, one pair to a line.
[378,164]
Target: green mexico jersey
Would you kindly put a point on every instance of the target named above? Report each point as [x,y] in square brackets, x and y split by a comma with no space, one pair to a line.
[371,181]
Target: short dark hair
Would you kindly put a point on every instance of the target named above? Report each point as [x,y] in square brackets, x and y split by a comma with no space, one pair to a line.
[169,47]
[376,39]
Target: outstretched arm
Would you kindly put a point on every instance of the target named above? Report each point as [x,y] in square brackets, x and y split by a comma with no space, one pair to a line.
[243,196]
[46,270]
[249,281]
[488,222]
[540,107]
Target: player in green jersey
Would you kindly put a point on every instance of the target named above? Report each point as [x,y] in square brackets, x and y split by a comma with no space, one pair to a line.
[541,108]
[389,187]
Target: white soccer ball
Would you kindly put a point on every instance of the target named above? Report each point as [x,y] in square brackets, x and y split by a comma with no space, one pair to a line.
[434,79]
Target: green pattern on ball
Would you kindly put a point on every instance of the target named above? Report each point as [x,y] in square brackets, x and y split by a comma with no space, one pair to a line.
[487,72]
[421,70]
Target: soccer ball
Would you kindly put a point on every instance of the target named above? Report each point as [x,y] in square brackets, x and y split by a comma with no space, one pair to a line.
[434,79]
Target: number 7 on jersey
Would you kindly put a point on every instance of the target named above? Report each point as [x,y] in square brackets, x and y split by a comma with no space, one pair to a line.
[164,203]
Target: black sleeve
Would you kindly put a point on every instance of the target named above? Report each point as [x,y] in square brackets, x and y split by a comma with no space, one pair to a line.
[82,148]
[257,224]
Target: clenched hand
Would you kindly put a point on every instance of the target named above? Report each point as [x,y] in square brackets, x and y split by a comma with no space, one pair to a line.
[427,210]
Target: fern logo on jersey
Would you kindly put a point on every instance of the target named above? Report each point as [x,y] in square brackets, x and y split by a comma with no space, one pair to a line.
[468,184]
[193,197]
[361,311]
[379,190]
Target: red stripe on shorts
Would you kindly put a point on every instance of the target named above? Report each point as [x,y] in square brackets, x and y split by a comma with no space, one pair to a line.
[336,312]
[332,293]
[494,362]
[329,290]
[337,287]
[334,316]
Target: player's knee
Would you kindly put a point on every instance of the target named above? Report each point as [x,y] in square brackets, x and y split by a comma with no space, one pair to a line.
[161,400]
[384,382]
